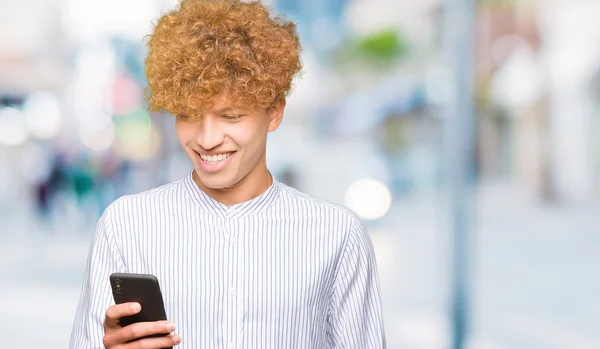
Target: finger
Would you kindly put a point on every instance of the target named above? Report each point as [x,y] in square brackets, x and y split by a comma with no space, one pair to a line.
[141,329]
[155,343]
[117,311]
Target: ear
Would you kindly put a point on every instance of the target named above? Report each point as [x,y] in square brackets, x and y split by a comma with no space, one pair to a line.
[276,114]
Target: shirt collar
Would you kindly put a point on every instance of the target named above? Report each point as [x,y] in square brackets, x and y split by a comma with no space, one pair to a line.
[246,208]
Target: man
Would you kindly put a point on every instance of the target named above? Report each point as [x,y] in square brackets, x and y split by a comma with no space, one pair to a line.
[244,261]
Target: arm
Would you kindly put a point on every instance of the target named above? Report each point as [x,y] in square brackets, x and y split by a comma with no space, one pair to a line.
[96,321]
[104,258]
[355,317]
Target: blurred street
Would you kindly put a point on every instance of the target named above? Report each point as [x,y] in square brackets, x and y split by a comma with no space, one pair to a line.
[372,123]
[535,284]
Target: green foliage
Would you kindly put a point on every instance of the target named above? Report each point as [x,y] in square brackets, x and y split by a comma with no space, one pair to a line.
[376,50]
[384,45]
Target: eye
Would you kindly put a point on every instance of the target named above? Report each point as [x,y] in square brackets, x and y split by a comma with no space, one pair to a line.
[232,117]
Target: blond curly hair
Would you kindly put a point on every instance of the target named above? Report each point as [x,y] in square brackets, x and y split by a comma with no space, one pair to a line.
[206,48]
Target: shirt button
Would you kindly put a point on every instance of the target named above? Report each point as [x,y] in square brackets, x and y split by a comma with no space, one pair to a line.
[231,346]
[232,291]
[234,240]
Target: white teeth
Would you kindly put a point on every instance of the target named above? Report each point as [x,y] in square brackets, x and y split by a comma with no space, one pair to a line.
[213,159]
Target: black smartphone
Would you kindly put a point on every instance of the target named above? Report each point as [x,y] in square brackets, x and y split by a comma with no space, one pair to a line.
[143,289]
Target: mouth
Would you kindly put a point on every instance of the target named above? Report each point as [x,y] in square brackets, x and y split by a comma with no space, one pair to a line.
[214,163]
[215,159]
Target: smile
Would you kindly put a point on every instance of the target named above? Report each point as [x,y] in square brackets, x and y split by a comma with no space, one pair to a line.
[215,159]
[214,163]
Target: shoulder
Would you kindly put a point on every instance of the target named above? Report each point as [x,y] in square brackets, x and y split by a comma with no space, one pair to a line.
[309,206]
[353,240]
[147,201]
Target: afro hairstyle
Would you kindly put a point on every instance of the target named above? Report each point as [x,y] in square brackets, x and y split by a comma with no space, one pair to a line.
[205,48]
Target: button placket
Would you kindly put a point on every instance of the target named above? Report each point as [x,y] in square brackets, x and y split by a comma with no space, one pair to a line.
[232,283]
[229,270]
[239,241]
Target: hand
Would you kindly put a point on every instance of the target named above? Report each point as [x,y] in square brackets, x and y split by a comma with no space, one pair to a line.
[117,337]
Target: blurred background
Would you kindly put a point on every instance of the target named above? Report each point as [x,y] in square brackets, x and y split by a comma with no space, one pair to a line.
[365,127]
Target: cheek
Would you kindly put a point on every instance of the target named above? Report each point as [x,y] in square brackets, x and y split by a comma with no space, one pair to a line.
[184,133]
[248,137]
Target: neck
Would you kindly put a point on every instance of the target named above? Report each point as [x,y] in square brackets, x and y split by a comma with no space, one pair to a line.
[251,186]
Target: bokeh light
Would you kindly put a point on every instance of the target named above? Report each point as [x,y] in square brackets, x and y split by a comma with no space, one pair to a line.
[137,139]
[43,115]
[98,139]
[369,198]
[13,130]
[127,95]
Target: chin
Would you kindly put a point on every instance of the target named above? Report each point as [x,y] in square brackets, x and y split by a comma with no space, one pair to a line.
[216,181]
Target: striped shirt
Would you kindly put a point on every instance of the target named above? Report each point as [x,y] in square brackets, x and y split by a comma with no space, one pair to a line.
[283,270]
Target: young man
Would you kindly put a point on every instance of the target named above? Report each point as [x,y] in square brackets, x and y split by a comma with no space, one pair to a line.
[244,261]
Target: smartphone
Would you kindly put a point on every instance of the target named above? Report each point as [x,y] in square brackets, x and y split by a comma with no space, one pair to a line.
[143,289]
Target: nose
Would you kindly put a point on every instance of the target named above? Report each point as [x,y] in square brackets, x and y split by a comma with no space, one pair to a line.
[210,135]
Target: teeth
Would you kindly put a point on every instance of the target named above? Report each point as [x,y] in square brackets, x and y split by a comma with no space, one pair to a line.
[213,159]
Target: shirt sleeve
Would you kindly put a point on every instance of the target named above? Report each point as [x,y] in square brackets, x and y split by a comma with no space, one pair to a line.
[355,317]
[104,258]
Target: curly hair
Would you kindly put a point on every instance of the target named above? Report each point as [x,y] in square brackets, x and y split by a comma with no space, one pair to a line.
[206,48]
